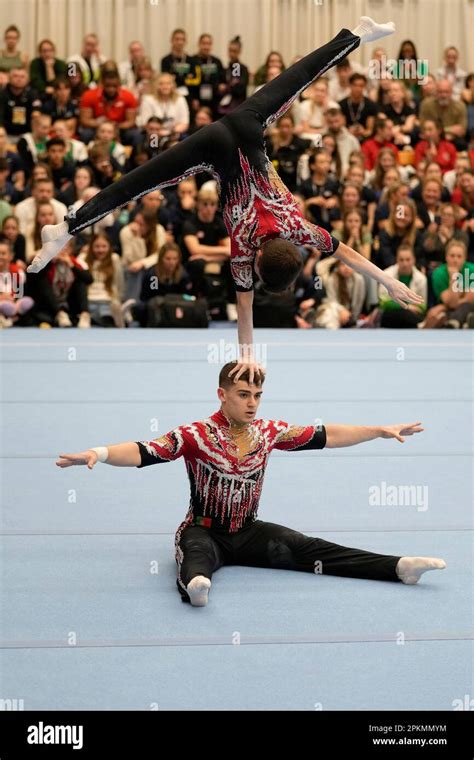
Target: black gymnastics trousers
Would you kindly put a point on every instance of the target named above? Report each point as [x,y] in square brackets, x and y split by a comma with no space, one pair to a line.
[264,544]
[215,148]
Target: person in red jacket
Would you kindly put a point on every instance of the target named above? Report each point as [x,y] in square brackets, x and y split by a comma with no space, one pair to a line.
[381,138]
[434,147]
[109,102]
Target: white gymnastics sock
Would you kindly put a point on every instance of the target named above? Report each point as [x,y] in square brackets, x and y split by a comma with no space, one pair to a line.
[368,30]
[54,238]
[410,569]
[198,590]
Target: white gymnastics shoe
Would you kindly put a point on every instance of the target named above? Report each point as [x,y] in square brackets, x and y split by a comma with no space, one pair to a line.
[368,30]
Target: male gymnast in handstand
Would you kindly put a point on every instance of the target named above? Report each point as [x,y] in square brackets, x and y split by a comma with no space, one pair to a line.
[226,456]
[262,218]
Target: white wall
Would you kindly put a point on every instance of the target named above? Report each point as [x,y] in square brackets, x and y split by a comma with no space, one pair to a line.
[290,26]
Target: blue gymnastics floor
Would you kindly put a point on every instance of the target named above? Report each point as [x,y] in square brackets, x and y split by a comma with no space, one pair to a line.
[90,615]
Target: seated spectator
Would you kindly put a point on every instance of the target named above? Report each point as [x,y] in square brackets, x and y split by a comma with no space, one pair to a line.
[355,234]
[152,204]
[321,191]
[392,196]
[76,151]
[128,69]
[381,140]
[78,88]
[32,145]
[10,56]
[405,270]
[309,114]
[202,118]
[46,69]
[16,173]
[104,294]
[167,105]
[109,102]
[61,105]
[350,200]
[44,214]
[106,170]
[453,288]
[11,231]
[18,104]
[59,292]
[205,241]
[385,161]
[428,206]
[401,228]
[329,143]
[451,72]
[345,288]
[339,85]
[8,192]
[452,177]
[432,170]
[61,169]
[83,178]
[464,194]
[451,113]
[144,79]
[166,276]
[434,147]
[13,303]
[105,137]
[346,143]
[140,242]
[40,171]
[88,61]
[368,200]
[284,150]
[401,114]
[42,190]
[274,58]
[359,111]
[436,239]
[183,207]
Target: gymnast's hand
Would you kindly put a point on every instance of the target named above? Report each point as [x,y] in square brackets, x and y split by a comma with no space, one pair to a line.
[254,370]
[88,457]
[397,431]
[400,293]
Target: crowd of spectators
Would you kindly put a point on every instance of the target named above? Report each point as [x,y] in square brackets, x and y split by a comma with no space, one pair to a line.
[385,163]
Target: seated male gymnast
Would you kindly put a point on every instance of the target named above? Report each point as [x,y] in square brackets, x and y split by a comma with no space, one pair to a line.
[262,217]
[226,456]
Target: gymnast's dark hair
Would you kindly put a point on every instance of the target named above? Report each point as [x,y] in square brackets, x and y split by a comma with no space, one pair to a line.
[237,41]
[279,265]
[227,382]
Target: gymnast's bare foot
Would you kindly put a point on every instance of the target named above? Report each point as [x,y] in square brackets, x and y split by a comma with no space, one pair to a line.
[54,237]
[368,30]
[410,569]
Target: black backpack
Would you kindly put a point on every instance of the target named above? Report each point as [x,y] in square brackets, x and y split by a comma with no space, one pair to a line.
[175,310]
